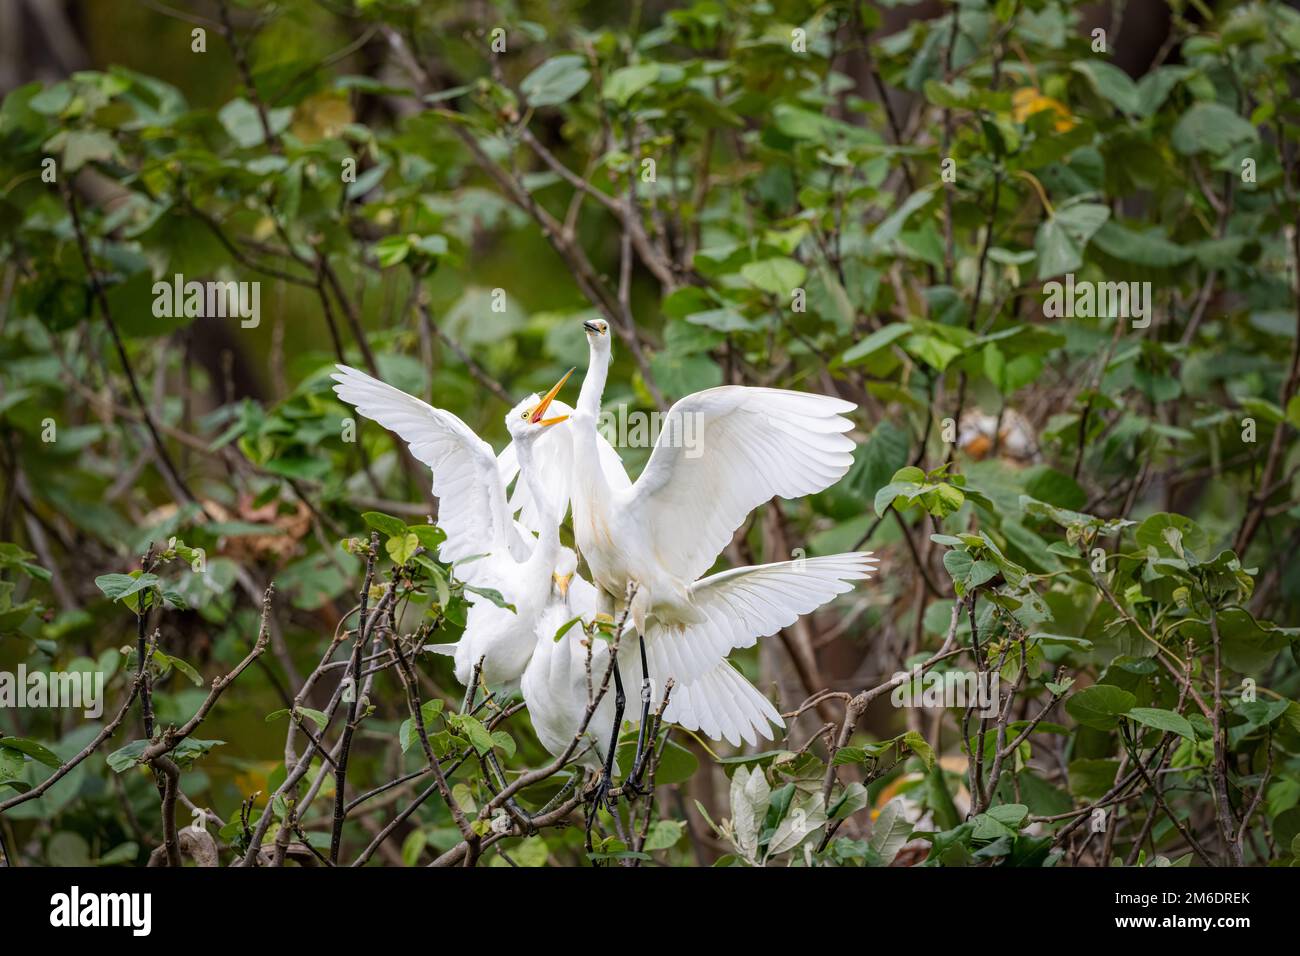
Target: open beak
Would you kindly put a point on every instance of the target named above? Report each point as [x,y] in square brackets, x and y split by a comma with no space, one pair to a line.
[562,582]
[545,403]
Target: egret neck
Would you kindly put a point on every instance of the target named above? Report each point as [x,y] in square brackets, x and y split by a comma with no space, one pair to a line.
[548,539]
[592,492]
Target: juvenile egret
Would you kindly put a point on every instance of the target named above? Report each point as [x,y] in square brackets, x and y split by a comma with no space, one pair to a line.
[473,511]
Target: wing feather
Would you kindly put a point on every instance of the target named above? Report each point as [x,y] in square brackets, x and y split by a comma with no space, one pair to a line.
[723,705]
[741,605]
[724,451]
[466,476]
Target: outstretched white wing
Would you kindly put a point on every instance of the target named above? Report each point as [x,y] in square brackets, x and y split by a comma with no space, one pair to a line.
[723,705]
[724,451]
[744,604]
[472,499]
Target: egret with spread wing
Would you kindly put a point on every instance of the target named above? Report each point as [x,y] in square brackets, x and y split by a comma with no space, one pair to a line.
[470,484]
[661,533]
[666,529]
[711,696]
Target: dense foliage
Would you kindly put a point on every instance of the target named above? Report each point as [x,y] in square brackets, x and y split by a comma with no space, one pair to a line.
[1094,500]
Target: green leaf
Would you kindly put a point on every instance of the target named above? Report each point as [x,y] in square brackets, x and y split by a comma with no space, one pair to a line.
[722,320]
[408,732]
[1111,82]
[556,81]
[1100,706]
[413,846]
[798,825]
[1170,534]
[626,82]
[479,737]
[504,742]
[566,627]
[317,717]
[853,799]
[876,459]
[1139,248]
[429,535]
[890,831]
[750,794]
[384,524]
[492,595]
[127,757]
[87,146]
[244,124]
[1163,720]
[940,799]
[118,586]
[1062,237]
[31,748]
[401,547]
[120,854]
[663,835]
[166,660]
[932,350]
[391,250]
[892,225]
[958,564]
[873,343]
[1210,128]
[918,745]
[1091,778]
[779,276]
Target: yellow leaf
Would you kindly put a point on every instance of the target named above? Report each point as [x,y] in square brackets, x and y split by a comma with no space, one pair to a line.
[1027,101]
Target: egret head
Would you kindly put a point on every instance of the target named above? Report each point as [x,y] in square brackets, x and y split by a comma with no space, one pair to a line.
[597,334]
[528,419]
[565,567]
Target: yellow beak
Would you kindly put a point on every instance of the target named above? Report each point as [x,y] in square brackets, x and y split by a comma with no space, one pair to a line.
[545,403]
[562,582]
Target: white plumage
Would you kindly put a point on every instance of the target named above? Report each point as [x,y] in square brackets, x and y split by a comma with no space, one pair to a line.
[470,485]
[666,529]
[662,532]
[709,695]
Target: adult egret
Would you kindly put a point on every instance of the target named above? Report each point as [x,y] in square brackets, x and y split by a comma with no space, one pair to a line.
[665,530]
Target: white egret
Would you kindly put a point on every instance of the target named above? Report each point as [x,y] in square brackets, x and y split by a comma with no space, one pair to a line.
[739,606]
[666,529]
[470,485]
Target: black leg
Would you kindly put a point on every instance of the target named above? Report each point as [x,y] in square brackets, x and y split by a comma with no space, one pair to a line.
[633,783]
[620,702]
[602,792]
